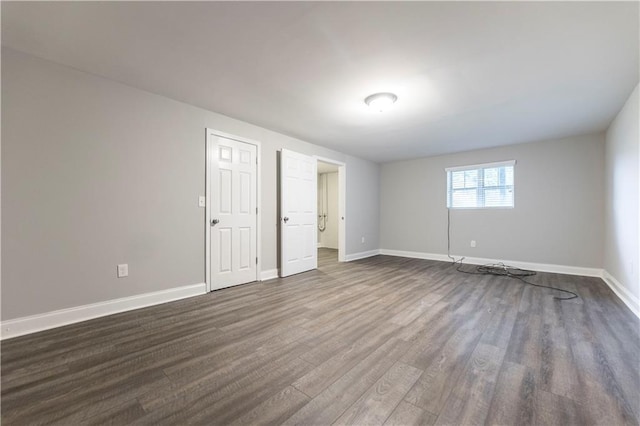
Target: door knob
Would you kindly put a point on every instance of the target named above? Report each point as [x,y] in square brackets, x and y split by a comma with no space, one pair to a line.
[214,222]
[285,219]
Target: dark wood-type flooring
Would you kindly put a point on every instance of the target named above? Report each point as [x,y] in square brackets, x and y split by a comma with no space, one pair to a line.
[383,340]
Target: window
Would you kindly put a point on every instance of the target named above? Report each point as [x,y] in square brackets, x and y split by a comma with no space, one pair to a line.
[480,186]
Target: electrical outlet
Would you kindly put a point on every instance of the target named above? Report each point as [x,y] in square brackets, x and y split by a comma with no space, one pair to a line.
[202,201]
[473,243]
[362,240]
[123,270]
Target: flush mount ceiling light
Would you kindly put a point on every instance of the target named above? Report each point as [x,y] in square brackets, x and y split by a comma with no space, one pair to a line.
[380,101]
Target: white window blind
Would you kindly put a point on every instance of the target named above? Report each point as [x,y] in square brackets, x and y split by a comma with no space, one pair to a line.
[481,186]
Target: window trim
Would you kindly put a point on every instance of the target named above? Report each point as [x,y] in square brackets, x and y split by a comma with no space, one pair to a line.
[481,166]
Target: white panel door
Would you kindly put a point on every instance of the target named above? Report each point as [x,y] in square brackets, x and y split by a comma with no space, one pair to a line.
[298,213]
[233,213]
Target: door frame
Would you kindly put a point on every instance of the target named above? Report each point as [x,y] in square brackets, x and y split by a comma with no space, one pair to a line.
[210,134]
[342,197]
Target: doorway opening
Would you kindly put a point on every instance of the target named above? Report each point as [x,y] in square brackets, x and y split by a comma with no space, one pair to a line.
[298,213]
[331,218]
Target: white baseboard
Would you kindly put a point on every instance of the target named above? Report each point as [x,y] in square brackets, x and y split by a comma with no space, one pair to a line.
[361,255]
[625,295]
[269,275]
[541,267]
[34,323]
[415,255]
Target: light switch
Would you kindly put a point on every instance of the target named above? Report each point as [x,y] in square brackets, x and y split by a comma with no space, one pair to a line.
[123,270]
[202,201]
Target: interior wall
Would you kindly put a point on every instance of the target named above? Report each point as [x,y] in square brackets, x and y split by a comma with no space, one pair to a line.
[96,173]
[329,237]
[558,214]
[622,218]
[363,186]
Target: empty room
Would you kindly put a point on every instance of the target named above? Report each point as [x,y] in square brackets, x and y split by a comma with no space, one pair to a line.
[318,213]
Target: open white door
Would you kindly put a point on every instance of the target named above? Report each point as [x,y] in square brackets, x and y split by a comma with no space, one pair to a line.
[233,217]
[298,213]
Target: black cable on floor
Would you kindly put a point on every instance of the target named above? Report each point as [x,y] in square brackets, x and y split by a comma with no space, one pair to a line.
[500,269]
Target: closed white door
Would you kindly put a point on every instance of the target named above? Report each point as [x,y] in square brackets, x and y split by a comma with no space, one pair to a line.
[233,212]
[298,211]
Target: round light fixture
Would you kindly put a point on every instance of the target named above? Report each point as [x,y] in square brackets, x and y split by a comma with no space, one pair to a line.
[380,101]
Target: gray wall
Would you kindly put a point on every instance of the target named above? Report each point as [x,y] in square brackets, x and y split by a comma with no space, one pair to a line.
[363,221]
[95,173]
[621,254]
[558,214]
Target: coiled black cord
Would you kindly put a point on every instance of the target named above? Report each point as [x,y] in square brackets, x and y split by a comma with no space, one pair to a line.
[500,269]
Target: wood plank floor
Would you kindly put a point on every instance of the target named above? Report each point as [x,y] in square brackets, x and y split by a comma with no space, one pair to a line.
[383,340]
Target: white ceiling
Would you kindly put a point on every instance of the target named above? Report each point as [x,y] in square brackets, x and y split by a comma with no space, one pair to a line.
[467,75]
